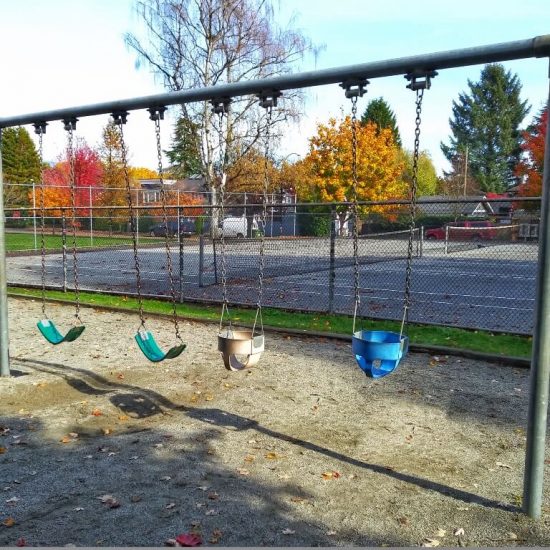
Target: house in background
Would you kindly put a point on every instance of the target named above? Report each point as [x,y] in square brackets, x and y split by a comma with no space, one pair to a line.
[476,207]
[150,188]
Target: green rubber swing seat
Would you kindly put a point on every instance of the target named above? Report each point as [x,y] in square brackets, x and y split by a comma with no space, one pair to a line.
[52,334]
[148,345]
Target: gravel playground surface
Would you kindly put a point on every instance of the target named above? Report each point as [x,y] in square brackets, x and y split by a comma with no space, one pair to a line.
[100,447]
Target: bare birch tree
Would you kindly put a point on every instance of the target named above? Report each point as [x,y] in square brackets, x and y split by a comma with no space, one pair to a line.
[199,43]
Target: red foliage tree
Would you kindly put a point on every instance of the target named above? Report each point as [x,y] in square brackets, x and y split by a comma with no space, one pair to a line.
[531,166]
[88,174]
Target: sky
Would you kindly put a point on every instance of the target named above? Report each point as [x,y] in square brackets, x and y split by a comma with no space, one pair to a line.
[63,53]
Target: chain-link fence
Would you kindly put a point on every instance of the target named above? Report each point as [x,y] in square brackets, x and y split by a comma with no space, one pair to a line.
[474,260]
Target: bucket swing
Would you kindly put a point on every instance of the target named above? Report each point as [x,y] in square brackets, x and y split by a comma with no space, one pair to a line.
[378,352]
[233,343]
[46,326]
[143,337]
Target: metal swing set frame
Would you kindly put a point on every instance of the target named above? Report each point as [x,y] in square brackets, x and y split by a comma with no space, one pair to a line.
[537,47]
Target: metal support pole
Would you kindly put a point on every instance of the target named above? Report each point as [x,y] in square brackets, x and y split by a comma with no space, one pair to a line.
[64,248]
[201,259]
[421,241]
[331,271]
[446,239]
[4,333]
[540,359]
[137,217]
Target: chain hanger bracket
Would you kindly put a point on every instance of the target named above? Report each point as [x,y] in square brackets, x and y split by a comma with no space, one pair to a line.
[157,112]
[420,79]
[120,117]
[268,98]
[70,123]
[40,127]
[355,87]
[220,105]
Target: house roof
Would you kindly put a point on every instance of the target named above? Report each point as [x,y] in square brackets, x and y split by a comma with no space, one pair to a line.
[470,208]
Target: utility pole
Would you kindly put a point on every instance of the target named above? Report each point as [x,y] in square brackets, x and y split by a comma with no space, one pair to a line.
[465,169]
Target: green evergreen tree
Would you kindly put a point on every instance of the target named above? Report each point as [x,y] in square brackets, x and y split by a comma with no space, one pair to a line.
[20,164]
[378,111]
[486,121]
[185,158]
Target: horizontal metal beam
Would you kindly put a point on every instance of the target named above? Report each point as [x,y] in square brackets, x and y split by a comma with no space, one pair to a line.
[507,51]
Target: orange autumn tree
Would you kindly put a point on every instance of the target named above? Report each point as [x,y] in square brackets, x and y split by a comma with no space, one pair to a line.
[328,166]
[531,166]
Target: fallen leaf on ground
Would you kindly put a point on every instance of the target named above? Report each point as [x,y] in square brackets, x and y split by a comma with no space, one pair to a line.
[123,418]
[403,520]
[211,513]
[109,500]
[273,456]
[288,531]
[331,533]
[3,450]
[430,543]
[97,412]
[135,498]
[216,536]
[107,431]
[213,495]
[79,509]
[165,478]
[512,536]
[21,542]
[441,532]
[502,465]
[249,458]
[9,522]
[331,475]
[188,539]
[458,532]
[170,505]
[12,501]
[243,471]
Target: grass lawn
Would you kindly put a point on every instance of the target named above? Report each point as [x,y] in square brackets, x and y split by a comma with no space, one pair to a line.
[25,241]
[475,340]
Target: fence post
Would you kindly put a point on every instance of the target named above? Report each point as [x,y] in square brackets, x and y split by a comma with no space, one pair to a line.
[137,217]
[64,248]
[201,259]
[446,239]
[180,243]
[215,261]
[331,272]
[4,336]
[91,216]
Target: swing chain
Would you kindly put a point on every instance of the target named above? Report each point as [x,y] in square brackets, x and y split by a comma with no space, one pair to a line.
[70,125]
[267,102]
[354,206]
[156,115]
[40,130]
[119,118]
[220,107]
[418,83]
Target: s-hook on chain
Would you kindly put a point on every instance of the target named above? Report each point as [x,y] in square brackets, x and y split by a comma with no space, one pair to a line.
[70,125]
[418,83]
[40,130]
[354,90]
[156,115]
[120,119]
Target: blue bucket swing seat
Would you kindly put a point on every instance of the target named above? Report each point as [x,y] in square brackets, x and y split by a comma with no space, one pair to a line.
[378,352]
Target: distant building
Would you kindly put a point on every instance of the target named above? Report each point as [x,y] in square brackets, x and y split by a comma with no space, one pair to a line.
[150,188]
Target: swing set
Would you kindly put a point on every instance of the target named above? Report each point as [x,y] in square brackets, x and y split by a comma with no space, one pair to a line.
[378,353]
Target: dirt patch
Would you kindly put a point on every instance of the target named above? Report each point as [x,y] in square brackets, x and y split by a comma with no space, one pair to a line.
[303,450]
